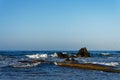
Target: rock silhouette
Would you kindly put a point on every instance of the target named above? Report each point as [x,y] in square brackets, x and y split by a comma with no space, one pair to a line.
[61,55]
[83,53]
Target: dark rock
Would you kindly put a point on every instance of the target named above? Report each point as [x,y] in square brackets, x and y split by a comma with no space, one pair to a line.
[67,59]
[61,55]
[88,66]
[83,53]
[72,56]
[70,60]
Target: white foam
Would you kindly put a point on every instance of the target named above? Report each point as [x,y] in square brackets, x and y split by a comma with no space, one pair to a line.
[55,63]
[37,56]
[24,65]
[106,63]
[83,60]
[105,54]
[54,55]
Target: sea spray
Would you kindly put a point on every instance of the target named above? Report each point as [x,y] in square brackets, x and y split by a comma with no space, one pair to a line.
[37,56]
[54,55]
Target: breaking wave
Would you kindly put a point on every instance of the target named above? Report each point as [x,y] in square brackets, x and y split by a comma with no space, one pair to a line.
[105,54]
[54,55]
[25,65]
[37,56]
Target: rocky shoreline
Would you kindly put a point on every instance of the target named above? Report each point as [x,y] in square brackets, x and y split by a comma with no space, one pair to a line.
[81,53]
[69,61]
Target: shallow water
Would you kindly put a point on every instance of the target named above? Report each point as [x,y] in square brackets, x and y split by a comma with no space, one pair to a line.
[48,71]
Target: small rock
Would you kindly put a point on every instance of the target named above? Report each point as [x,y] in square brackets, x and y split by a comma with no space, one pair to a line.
[61,55]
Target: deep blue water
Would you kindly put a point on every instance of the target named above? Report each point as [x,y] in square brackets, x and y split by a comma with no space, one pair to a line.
[46,71]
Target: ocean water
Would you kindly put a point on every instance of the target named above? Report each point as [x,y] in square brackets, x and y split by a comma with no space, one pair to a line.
[11,69]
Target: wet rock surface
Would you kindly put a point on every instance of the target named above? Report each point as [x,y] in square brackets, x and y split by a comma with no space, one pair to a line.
[83,53]
[88,66]
[62,55]
[70,60]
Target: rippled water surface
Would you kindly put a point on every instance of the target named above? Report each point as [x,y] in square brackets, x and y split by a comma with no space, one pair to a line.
[10,68]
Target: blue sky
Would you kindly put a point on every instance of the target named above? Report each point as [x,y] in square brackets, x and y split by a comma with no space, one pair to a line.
[59,24]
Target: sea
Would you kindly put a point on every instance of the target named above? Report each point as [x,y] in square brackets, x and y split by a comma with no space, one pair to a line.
[12,69]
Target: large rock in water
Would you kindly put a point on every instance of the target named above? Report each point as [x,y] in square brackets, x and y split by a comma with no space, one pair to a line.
[83,53]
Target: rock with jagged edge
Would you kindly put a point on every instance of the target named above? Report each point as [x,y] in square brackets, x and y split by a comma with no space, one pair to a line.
[83,53]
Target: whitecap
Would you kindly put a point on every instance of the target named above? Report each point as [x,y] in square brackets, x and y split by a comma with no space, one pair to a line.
[54,55]
[37,56]
[105,54]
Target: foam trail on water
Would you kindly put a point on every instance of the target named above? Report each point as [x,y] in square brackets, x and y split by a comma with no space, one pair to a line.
[107,64]
[25,65]
[5,61]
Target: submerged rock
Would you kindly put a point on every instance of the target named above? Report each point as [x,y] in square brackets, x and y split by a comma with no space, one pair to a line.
[88,66]
[28,63]
[83,53]
[70,60]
